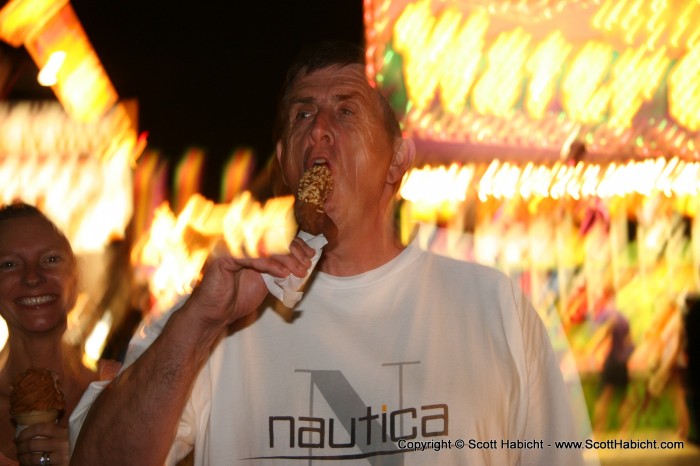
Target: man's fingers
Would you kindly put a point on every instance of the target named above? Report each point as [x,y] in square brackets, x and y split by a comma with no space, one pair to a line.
[301,250]
[297,261]
[274,265]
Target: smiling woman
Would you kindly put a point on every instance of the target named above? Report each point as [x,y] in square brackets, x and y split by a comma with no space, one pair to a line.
[38,284]
[38,272]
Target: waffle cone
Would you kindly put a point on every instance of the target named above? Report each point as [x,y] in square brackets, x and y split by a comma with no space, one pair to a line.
[36,417]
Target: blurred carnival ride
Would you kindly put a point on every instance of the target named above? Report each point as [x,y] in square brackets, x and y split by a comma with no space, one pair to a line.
[559,141]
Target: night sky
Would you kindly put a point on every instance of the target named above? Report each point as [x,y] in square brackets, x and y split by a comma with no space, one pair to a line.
[208,73]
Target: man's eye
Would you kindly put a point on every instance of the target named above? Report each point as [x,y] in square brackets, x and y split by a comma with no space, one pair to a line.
[54,259]
[303,115]
[346,111]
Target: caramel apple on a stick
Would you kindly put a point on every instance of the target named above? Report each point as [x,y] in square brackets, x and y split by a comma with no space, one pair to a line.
[314,187]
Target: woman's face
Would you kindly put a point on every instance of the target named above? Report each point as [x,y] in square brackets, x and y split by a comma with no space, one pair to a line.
[38,275]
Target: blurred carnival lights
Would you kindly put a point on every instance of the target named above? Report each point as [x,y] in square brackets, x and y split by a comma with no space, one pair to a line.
[95,342]
[171,254]
[48,74]
[471,76]
[433,185]
[78,173]
[49,29]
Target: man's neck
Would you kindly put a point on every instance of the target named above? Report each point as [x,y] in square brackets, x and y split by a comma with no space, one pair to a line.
[359,252]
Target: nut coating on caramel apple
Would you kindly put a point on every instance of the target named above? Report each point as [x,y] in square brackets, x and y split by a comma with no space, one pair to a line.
[314,187]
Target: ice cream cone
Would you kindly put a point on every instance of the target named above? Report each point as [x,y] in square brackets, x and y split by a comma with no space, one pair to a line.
[24,420]
[36,417]
[36,397]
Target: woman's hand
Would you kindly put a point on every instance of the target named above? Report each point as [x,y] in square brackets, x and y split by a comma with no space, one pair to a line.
[45,438]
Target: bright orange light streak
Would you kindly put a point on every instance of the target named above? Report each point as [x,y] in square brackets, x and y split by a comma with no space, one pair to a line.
[505,180]
[414,39]
[601,14]
[657,10]
[47,75]
[614,14]
[684,90]
[635,77]
[544,67]
[19,18]
[462,58]
[653,23]
[486,183]
[589,181]
[494,92]
[584,96]
[686,181]
[436,185]
[248,226]
[561,178]
[176,248]
[79,174]
[526,186]
[664,182]
[684,20]
[632,15]
[48,26]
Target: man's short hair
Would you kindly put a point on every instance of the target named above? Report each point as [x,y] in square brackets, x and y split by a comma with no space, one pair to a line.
[323,55]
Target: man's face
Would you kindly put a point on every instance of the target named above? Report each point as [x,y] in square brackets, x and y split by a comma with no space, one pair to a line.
[334,117]
[38,275]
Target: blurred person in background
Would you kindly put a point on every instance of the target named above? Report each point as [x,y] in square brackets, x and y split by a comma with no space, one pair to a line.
[671,373]
[666,368]
[615,374]
[38,287]
[389,344]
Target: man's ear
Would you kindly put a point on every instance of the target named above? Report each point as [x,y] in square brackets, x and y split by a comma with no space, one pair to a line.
[278,153]
[404,154]
[280,186]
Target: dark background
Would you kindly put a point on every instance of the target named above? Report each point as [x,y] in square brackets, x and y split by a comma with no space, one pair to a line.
[206,74]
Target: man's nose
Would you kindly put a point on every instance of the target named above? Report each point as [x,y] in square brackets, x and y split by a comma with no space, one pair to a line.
[322,129]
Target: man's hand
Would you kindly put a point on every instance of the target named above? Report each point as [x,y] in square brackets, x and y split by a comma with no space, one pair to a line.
[233,287]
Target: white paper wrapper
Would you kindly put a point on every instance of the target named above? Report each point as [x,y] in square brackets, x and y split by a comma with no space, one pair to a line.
[287,289]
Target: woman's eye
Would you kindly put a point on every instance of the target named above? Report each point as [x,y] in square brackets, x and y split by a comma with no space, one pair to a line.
[6,264]
[346,111]
[54,259]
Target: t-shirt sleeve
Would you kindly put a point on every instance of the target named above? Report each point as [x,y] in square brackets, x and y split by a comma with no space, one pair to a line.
[80,412]
[556,410]
[185,438]
[143,338]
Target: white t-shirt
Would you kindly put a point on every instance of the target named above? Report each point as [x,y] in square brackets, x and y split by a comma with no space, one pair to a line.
[401,365]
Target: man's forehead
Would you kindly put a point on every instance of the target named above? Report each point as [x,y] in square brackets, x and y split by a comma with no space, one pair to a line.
[339,80]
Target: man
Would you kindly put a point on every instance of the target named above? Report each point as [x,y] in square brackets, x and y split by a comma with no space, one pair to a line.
[393,356]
